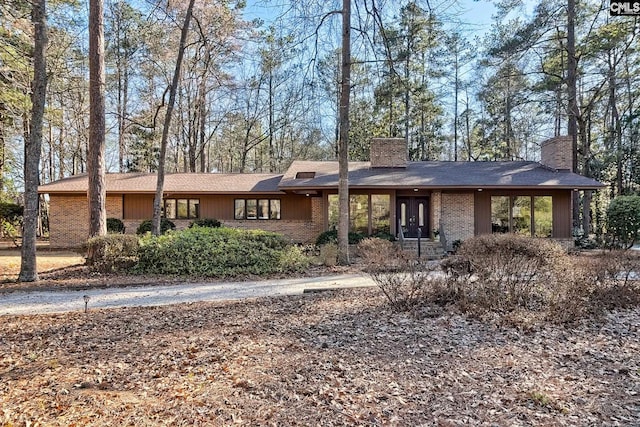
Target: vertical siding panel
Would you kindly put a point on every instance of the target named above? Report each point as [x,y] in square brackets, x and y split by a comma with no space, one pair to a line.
[295,207]
[482,212]
[138,206]
[562,214]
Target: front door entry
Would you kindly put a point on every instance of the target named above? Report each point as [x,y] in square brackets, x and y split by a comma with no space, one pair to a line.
[413,213]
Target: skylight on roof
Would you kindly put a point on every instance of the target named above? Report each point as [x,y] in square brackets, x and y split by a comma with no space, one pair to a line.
[305,175]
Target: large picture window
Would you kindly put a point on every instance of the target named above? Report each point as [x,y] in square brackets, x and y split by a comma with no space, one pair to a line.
[182,208]
[257,209]
[525,215]
[368,213]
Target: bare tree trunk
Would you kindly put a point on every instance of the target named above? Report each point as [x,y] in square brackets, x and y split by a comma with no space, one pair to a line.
[456,88]
[96,155]
[573,112]
[272,126]
[33,145]
[343,143]
[2,148]
[157,201]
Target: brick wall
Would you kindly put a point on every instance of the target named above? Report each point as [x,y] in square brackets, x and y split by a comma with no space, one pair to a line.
[114,207]
[436,208]
[388,153]
[457,213]
[556,153]
[69,219]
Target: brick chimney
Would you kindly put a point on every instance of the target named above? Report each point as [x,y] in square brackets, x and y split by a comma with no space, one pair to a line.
[556,153]
[388,153]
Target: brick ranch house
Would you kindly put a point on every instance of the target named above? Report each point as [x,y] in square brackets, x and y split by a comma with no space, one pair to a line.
[458,199]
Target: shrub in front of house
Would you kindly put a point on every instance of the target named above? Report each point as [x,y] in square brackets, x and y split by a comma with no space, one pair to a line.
[623,221]
[115,226]
[505,271]
[10,220]
[146,226]
[113,252]
[205,222]
[405,281]
[331,236]
[218,252]
[520,279]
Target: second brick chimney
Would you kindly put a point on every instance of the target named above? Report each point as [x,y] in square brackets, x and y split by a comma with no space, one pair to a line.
[557,153]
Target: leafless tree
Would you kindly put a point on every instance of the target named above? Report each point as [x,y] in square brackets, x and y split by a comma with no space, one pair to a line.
[157,202]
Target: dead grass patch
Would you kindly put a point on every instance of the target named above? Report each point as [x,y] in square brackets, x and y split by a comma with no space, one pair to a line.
[46,261]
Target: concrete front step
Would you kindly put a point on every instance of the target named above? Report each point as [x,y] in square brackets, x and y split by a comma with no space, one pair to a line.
[428,249]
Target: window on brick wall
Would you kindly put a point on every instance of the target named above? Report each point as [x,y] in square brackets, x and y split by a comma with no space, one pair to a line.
[181,208]
[525,215]
[257,209]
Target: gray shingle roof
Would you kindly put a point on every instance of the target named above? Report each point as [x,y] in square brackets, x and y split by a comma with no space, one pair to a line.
[201,183]
[435,175]
[440,175]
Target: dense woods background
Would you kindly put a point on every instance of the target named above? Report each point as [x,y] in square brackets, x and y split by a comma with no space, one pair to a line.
[255,94]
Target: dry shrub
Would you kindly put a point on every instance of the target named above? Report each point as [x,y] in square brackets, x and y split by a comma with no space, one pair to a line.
[518,279]
[620,288]
[593,283]
[624,265]
[404,280]
[570,298]
[112,252]
[506,271]
[329,254]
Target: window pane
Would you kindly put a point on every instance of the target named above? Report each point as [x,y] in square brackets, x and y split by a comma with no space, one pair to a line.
[522,215]
[263,209]
[194,208]
[420,214]
[333,211]
[500,214]
[182,211]
[170,208]
[239,208]
[359,213]
[252,209]
[275,209]
[403,214]
[543,216]
[380,213]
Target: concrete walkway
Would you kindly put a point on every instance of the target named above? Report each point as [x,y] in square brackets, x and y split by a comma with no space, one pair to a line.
[37,302]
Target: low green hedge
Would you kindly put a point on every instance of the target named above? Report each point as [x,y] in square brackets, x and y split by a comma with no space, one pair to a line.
[146,226]
[331,236]
[115,226]
[205,222]
[218,252]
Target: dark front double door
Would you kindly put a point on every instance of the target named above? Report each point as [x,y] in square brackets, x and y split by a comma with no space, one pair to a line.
[413,214]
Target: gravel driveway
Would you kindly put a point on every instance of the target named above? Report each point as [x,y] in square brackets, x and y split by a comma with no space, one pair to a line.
[37,302]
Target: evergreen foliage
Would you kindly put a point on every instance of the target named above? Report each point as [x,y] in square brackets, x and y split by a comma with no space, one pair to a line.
[219,252]
[206,222]
[146,226]
[623,221]
[115,226]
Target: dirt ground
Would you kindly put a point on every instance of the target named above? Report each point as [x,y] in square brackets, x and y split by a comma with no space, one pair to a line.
[329,358]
